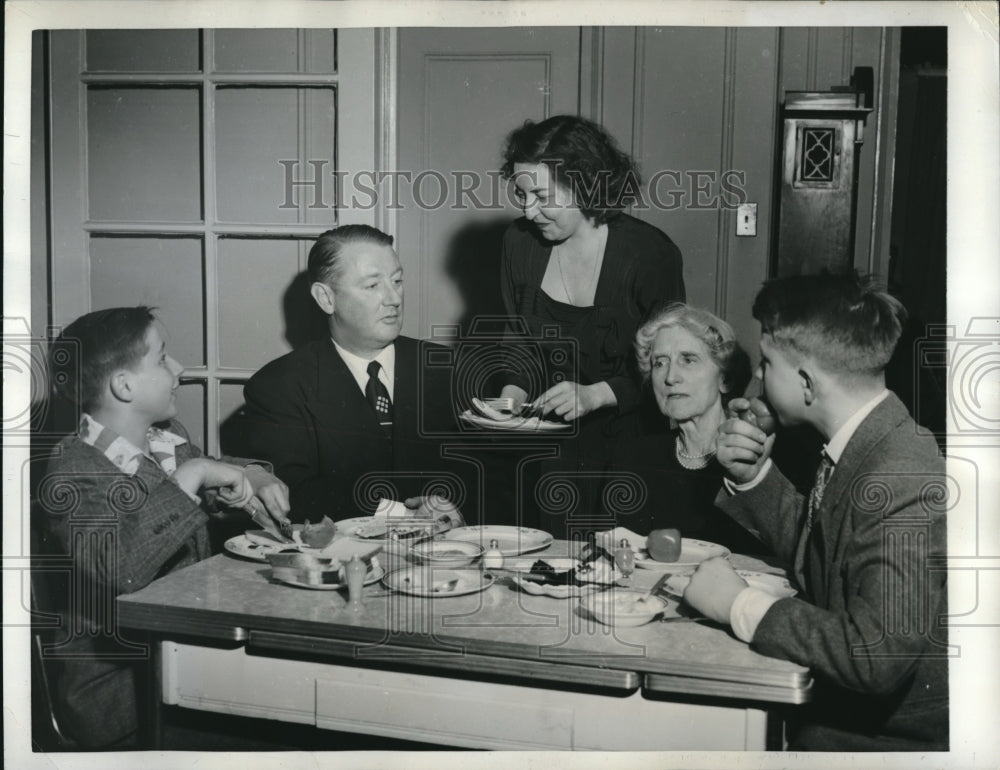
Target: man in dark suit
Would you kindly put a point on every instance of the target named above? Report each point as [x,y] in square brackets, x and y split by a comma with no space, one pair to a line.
[343,420]
[867,545]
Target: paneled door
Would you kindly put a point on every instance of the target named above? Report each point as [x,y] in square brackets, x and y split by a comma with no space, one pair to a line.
[191,170]
[460,92]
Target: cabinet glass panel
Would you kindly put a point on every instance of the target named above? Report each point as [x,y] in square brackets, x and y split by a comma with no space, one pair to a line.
[268,141]
[191,410]
[232,430]
[276,50]
[143,154]
[143,50]
[264,304]
[165,273]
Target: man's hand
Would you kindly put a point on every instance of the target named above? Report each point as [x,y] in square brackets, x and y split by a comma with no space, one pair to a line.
[436,508]
[571,401]
[713,588]
[742,448]
[271,491]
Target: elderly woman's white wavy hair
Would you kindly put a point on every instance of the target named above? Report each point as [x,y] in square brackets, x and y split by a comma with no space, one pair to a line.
[718,336]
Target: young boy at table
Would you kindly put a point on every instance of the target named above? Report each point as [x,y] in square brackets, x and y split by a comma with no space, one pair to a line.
[868,619]
[126,499]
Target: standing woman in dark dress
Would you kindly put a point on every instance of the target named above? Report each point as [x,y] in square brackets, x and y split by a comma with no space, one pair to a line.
[577,264]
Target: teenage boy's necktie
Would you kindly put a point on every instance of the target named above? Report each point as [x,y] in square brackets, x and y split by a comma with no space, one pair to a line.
[378,396]
[823,474]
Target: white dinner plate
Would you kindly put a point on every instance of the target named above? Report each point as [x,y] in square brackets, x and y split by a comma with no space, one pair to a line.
[438,583]
[378,527]
[693,553]
[375,574]
[258,544]
[776,585]
[514,424]
[510,540]
[557,591]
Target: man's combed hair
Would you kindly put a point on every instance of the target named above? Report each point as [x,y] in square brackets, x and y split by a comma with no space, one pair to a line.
[93,347]
[324,256]
[840,320]
[582,157]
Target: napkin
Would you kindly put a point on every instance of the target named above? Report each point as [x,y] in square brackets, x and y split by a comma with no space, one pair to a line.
[609,539]
[392,509]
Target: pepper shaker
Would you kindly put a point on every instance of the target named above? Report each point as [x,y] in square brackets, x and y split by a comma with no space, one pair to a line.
[493,558]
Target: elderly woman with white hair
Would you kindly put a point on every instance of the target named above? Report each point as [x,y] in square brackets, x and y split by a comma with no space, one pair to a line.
[693,363]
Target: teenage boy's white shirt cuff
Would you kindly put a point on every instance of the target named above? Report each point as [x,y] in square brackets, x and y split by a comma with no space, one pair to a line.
[732,487]
[749,608]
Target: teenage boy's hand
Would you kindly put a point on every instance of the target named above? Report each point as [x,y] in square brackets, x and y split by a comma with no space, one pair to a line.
[271,491]
[233,486]
[713,588]
[435,507]
[742,448]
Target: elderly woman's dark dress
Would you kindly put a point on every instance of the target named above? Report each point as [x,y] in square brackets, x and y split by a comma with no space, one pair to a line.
[641,270]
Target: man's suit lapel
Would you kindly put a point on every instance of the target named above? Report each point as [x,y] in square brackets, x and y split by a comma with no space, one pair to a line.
[340,403]
[821,542]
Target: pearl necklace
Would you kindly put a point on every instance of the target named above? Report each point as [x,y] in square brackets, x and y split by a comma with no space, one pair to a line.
[695,465]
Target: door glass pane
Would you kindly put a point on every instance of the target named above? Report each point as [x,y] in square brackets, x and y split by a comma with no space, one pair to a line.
[276,50]
[191,410]
[261,155]
[264,304]
[165,273]
[144,154]
[143,50]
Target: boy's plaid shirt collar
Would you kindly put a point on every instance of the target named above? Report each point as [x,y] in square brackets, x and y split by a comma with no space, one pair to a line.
[160,446]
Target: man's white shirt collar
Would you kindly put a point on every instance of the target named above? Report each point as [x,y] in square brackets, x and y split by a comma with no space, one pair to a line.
[838,442]
[358,366]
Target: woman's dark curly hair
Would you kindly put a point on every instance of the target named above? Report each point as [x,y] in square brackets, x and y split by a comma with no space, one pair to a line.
[582,157]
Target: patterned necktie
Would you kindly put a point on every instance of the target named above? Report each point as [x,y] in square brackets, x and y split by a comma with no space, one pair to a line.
[823,474]
[378,396]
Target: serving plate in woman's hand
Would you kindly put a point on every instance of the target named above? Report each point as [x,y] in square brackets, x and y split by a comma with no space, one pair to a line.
[693,553]
[510,540]
[515,424]
[776,585]
[438,583]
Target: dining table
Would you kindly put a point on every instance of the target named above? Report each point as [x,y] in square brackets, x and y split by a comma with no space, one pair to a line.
[497,668]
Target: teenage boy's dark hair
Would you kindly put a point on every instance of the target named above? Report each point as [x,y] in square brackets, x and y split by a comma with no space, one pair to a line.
[92,347]
[840,320]
[324,256]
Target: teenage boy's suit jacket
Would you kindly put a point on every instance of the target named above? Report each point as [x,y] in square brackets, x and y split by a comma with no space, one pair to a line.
[306,414]
[119,533]
[870,619]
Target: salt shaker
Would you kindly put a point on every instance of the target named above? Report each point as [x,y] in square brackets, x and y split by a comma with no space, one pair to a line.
[356,571]
[493,558]
[625,558]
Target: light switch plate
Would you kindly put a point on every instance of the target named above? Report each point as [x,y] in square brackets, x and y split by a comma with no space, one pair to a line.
[746,219]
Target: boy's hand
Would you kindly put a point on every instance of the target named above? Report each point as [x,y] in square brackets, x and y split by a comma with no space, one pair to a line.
[436,507]
[271,491]
[742,448]
[202,473]
[713,588]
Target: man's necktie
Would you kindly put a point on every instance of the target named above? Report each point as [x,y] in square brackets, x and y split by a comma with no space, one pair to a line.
[823,474]
[378,396]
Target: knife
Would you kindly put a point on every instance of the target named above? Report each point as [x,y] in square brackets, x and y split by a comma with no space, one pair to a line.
[264,521]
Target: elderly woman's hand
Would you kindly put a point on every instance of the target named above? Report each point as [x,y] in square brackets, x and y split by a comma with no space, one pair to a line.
[572,401]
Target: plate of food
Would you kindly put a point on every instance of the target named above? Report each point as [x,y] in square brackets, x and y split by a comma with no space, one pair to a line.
[318,573]
[562,578]
[438,583]
[693,553]
[776,585]
[380,527]
[510,540]
[256,544]
[514,423]
[624,608]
